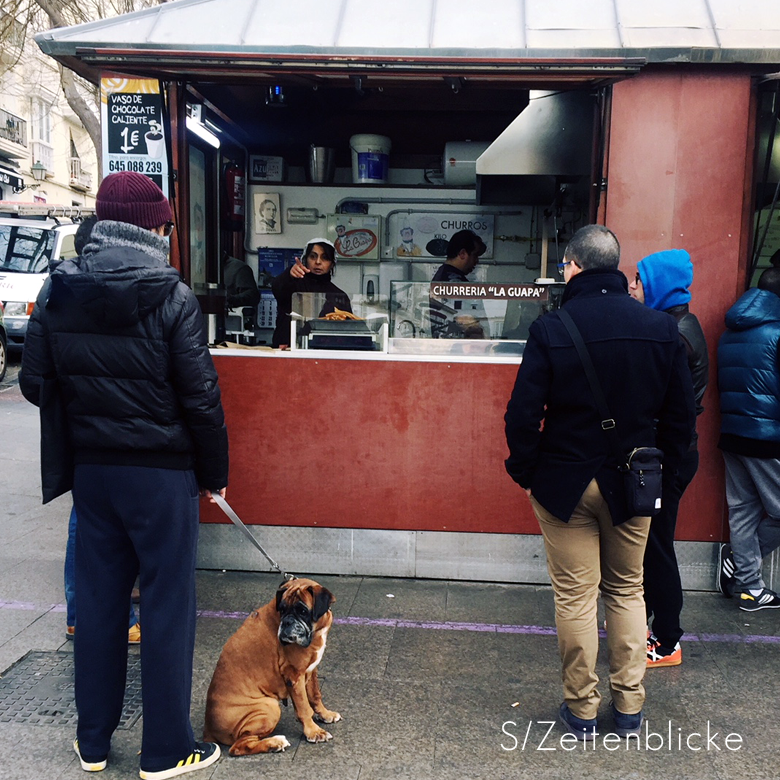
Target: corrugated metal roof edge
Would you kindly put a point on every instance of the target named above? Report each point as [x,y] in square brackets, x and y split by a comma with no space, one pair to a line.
[711,55]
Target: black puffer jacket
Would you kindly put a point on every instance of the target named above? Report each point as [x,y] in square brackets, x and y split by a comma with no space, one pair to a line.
[124,338]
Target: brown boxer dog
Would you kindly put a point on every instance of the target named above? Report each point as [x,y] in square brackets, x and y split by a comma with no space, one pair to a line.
[273,655]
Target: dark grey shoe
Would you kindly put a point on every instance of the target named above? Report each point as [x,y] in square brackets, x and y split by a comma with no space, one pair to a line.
[626,724]
[582,728]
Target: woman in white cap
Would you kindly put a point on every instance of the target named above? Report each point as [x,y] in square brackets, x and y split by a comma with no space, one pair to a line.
[311,276]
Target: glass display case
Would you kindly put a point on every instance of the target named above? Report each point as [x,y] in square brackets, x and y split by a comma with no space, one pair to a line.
[466,317]
[337,321]
[424,318]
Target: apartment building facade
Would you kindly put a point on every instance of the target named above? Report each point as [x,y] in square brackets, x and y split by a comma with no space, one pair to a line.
[46,155]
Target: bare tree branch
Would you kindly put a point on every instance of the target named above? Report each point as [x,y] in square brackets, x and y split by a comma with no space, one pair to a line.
[85,112]
[88,114]
[54,12]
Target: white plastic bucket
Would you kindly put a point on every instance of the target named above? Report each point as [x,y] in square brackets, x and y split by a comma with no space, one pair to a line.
[370,156]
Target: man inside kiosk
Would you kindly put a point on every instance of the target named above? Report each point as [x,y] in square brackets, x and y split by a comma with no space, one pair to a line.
[459,319]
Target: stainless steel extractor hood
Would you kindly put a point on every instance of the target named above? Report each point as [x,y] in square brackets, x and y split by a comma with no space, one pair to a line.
[549,143]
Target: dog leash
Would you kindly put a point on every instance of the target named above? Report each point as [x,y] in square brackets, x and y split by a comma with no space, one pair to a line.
[239,523]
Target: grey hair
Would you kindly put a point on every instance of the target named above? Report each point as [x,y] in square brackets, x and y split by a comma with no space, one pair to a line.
[594,246]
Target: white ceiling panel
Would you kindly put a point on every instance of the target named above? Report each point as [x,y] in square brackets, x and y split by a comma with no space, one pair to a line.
[316,23]
[664,14]
[486,24]
[757,15]
[570,15]
[217,20]
[667,37]
[559,40]
[399,24]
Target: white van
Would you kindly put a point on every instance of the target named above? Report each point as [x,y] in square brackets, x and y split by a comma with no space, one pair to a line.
[31,236]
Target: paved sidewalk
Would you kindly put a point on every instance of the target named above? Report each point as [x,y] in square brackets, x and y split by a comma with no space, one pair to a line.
[425,673]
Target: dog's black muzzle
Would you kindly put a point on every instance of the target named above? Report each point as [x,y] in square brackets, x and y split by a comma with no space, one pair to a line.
[293,630]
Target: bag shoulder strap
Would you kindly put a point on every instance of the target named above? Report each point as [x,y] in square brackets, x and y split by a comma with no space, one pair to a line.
[607,421]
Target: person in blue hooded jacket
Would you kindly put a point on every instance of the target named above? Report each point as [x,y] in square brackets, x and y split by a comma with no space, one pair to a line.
[662,283]
[749,383]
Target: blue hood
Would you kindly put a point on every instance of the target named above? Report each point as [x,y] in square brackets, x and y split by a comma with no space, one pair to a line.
[666,277]
[756,307]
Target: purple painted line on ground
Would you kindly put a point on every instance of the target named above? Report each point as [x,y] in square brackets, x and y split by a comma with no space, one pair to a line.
[747,638]
[428,625]
[22,605]
[209,613]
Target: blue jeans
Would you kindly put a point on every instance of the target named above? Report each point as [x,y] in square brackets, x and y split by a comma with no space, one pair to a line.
[70,576]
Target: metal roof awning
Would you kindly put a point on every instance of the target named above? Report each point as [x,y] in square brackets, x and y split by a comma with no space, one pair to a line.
[530,39]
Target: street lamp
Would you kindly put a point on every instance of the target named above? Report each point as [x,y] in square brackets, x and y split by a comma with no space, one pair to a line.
[38,170]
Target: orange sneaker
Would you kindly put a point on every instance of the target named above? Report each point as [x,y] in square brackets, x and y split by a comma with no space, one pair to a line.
[658,655]
[70,632]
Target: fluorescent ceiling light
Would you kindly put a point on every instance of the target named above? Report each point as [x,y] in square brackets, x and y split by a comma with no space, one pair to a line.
[203,132]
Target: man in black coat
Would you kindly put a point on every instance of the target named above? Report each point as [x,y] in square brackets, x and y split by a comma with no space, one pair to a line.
[563,459]
[121,339]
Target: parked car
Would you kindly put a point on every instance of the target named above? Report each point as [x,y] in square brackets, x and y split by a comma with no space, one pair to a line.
[31,237]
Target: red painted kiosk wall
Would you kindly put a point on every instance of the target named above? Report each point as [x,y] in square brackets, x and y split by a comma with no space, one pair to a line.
[680,163]
[370,444]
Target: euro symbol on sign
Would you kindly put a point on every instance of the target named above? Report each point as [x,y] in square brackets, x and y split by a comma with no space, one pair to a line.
[130,140]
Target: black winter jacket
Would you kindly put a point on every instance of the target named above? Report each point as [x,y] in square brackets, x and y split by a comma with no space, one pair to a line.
[641,364]
[124,338]
[698,357]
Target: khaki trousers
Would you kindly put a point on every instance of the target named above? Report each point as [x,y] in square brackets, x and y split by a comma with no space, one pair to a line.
[584,555]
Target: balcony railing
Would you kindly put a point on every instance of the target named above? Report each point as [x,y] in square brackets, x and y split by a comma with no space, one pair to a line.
[12,34]
[79,179]
[44,154]
[13,128]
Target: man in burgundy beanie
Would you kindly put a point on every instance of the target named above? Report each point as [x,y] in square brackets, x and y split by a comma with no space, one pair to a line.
[120,338]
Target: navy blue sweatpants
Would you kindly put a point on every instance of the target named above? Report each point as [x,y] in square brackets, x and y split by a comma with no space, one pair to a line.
[135,521]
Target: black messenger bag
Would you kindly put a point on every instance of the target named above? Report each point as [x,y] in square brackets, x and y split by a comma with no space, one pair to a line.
[642,468]
[642,481]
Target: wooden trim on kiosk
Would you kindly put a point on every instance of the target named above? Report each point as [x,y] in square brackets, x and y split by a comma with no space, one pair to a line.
[181,178]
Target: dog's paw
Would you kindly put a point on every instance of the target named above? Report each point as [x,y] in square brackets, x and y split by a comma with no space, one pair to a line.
[251,744]
[318,735]
[277,744]
[327,716]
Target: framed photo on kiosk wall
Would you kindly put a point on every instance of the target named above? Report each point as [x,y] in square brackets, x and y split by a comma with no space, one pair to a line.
[266,215]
